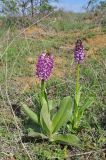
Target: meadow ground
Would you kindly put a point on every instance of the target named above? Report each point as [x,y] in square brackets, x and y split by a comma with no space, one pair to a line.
[19,49]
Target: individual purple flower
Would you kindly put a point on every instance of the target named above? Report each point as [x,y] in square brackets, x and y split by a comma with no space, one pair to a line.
[44,66]
[79,52]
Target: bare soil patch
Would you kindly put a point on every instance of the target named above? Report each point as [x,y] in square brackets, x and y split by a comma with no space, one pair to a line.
[96,43]
[99,41]
[26,83]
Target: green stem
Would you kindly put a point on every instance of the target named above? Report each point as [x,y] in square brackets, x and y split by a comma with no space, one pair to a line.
[78,79]
[43,91]
[43,86]
[77,98]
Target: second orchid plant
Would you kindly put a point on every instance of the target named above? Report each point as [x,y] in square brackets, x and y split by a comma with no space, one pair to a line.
[69,110]
[78,109]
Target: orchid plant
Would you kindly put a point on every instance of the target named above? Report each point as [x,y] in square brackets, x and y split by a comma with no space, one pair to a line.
[48,123]
[69,110]
[78,110]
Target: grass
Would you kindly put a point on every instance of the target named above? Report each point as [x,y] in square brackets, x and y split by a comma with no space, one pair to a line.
[17,70]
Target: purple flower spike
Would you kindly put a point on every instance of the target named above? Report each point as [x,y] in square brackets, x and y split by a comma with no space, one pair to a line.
[44,66]
[79,52]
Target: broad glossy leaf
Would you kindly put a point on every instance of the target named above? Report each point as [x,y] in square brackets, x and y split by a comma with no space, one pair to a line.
[45,117]
[63,115]
[69,139]
[32,115]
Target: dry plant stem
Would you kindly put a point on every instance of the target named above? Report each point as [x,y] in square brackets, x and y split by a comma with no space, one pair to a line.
[3,110]
[15,119]
[7,96]
[86,153]
[16,123]
[82,154]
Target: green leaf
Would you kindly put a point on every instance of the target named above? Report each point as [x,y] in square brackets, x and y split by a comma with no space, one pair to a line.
[87,104]
[102,139]
[53,104]
[69,139]
[50,103]
[45,117]
[32,133]
[76,104]
[63,115]
[79,113]
[32,115]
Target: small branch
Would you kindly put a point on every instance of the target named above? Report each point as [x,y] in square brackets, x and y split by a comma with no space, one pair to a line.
[86,153]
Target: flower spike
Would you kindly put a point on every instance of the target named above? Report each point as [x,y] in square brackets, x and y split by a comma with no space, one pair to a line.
[79,52]
[44,66]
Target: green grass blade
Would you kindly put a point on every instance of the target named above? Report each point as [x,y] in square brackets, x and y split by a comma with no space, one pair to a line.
[88,103]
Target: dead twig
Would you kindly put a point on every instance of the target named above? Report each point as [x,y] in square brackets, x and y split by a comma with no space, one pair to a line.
[86,153]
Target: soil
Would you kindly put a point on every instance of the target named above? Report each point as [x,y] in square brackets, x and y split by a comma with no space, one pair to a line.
[95,43]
